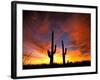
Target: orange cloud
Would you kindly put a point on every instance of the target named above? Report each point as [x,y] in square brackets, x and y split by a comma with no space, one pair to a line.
[78,29]
[76,55]
[36,37]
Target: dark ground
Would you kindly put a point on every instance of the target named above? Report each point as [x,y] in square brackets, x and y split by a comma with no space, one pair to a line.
[69,64]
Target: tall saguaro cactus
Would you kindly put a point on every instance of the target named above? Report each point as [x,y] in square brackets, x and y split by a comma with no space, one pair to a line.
[64,50]
[53,49]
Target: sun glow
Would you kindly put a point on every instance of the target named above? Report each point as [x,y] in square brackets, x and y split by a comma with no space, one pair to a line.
[71,56]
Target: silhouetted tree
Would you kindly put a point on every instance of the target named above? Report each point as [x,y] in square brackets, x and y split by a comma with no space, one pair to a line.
[53,49]
[64,50]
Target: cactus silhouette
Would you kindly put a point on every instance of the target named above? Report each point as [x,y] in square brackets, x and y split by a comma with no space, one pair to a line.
[64,50]
[53,49]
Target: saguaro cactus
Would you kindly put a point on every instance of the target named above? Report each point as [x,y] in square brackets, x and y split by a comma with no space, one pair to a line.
[64,50]
[53,49]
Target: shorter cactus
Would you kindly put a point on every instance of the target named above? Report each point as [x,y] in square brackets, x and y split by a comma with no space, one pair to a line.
[64,50]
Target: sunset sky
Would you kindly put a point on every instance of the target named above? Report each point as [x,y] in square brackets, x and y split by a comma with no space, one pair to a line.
[72,28]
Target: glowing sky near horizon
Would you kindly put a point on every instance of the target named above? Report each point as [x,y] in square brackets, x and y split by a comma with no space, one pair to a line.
[72,28]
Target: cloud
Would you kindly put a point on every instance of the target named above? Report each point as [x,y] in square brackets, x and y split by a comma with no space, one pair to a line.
[73,28]
[78,29]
